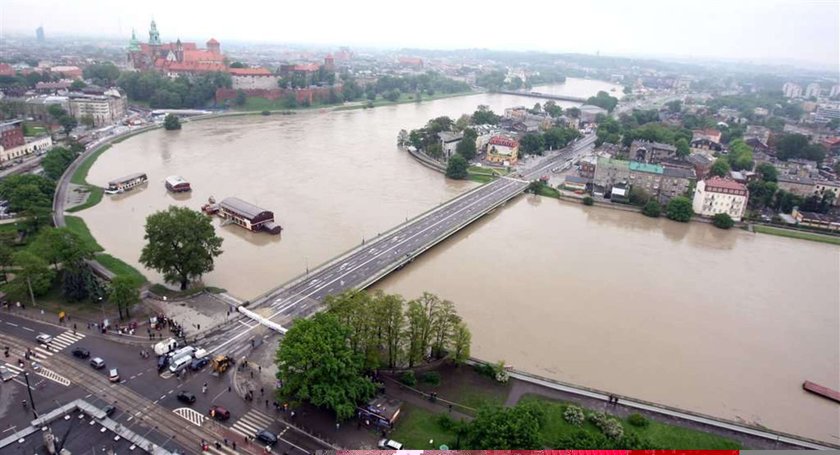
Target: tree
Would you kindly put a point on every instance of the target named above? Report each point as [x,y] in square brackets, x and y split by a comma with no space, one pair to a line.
[435,150]
[790,146]
[740,156]
[105,73]
[532,144]
[501,428]
[683,148]
[124,294]
[484,116]
[67,123]
[181,244]
[461,340]
[768,172]
[6,260]
[674,106]
[723,221]
[392,323]
[77,85]
[833,124]
[402,138]
[392,95]
[573,112]
[457,167]
[652,209]
[603,100]
[316,364]
[56,161]
[31,270]
[719,168]
[552,109]
[62,246]
[241,98]
[466,148]
[171,122]
[237,65]
[679,209]
[463,122]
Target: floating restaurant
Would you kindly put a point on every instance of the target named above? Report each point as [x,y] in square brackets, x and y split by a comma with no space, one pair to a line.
[126,183]
[177,184]
[247,215]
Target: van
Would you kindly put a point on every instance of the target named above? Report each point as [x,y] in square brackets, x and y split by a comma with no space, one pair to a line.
[186,351]
[390,444]
[180,364]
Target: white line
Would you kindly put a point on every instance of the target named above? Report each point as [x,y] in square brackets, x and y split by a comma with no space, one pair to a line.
[27,328]
[11,324]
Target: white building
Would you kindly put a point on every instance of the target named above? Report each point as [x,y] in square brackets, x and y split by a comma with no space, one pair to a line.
[449,142]
[39,144]
[835,90]
[253,78]
[813,89]
[792,90]
[106,109]
[717,195]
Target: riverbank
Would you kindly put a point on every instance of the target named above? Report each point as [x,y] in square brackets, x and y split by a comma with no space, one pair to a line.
[794,234]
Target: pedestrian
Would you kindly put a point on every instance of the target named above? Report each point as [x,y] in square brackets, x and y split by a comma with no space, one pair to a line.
[260,366]
[252,375]
[337,426]
[261,391]
[233,444]
[226,441]
[228,388]
[266,403]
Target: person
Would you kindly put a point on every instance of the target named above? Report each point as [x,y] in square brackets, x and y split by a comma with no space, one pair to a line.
[24,403]
[204,389]
[233,444]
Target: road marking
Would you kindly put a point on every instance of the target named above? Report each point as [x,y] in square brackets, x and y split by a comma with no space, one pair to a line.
[27,328]
[11,324]
[191,415]
[53,376]
[252,422]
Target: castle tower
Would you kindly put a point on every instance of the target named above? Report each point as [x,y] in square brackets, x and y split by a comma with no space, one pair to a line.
[214,46]
[329,62]
[133,51]
[179,51]
[154,36]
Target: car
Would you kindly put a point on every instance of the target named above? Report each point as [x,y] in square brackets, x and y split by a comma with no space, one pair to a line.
[198,364]
[266,437]
[109,410]
[114,375]
[219,413]
[81,353]
[44,338]
[186,397]
[389,444]
[97,363]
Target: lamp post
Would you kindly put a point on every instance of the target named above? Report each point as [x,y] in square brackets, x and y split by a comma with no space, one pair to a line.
[29,389]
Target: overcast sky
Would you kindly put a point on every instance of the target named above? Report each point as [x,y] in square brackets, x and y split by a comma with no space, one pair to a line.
[757,30]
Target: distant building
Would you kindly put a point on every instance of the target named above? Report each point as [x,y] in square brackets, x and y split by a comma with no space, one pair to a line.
[709,133]
[608,173]
[32,146]
[39,34]
[646,176]
[835,90]
[761,112]
[651,152]
[413,62]
[449,141]
[816,220]
[37,107]
[802,186]
[702,164]
[575,183]
[587,167]
[11,134]
[813,89]
[588,113]
[676,181]
[69,72]
[176,58]
[6,70]
[792,90]
[827,113]
[661,182]
[253,78]
[717,195]
[502,149]
[106,109]
[762,133]
[823,186]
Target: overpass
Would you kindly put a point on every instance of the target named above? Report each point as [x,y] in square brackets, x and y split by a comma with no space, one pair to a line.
[546,96]
[369,262]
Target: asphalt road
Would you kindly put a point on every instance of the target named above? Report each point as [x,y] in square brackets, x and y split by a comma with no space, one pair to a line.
[378,257]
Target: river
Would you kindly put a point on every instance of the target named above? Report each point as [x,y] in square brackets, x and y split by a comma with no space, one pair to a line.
[725,323]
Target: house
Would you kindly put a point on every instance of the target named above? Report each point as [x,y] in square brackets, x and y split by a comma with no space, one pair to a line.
[587,167]
[676,181]
[32,145]
[248,215]
[608,173]
[105,109]
[711,134]
[816,220]
[502,149]
[717,195]
[762,133]
[449,141]
[575,183]
[646,176]
[705,144]
[702,164]
[11,134]
[651,152]
[802,186]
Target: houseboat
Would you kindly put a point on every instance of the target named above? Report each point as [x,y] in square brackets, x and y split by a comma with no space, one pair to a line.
[247,215]
[126,183]
[177,184]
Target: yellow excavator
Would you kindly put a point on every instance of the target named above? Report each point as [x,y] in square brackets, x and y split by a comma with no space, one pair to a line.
[221,363]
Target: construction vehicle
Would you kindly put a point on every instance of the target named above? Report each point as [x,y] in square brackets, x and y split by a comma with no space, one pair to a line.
[221,363]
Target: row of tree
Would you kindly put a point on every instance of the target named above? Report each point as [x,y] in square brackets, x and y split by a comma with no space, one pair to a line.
[430,83]
[603,100]
[552,139]
[162,92]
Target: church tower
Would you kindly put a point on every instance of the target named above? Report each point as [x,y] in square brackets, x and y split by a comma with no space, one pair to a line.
[133,50]
[154,36]
[179,51]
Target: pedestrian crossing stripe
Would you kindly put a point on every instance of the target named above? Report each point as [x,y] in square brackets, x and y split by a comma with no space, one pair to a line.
[251,423]
[43,372]
[224,451]
[66,339]
[193,416]
[41,352]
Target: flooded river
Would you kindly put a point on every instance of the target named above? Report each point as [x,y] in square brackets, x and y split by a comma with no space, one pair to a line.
[725,323]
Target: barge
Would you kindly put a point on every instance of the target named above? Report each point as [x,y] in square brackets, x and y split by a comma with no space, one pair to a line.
[249,216]
[177,184]
[126,183]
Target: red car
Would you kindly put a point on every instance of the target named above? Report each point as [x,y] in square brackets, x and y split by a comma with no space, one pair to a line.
[219,413]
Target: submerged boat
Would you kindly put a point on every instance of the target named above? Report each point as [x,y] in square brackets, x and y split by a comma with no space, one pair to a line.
[177,184]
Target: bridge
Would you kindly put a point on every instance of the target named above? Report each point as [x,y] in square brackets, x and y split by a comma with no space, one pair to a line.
[546,96]
[369,262]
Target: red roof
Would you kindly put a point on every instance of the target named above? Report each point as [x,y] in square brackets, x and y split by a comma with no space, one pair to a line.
[190,67]
[504,141]
[6,70]
[250,72]
[716,184]
[308,67]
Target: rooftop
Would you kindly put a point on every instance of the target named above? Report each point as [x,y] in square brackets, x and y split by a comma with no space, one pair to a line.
[645,167]
[717,183]
[249,72]
[241,207]
[678,172]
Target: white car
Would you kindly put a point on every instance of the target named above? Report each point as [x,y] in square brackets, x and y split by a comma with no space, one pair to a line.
[44,338]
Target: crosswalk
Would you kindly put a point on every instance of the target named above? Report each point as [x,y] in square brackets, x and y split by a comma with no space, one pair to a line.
[58,343]
[252,422]
[191,415]
[43,372]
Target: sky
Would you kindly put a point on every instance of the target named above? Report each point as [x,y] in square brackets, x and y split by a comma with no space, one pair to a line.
[754,30]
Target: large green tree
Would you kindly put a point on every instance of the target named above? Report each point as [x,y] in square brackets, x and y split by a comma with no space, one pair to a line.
[499,428]
[316,364]
[181,244]
[124,294]
[723,221]
[171,122]
[457,167]
[62,246]
[720,168]
[31,270]
[679,209]
[466,148]
[56,161]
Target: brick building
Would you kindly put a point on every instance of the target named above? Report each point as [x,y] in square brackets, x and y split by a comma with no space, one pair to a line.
[11,134]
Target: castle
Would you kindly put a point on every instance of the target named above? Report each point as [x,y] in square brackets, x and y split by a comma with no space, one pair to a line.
[176,58]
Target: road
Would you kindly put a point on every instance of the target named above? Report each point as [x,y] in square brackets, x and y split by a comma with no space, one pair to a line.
[145,400]
[29,163]
[378,257]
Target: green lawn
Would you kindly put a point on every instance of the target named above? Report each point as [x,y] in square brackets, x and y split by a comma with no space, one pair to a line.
[548,191]
[481,178]
[416,426]
[80,176]
[660,435]
[94,197]
[78,226]
[120,268]
[834,240]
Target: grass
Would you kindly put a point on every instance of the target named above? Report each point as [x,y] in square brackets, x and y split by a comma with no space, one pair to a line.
[80,176]
[659,434]
[480,178]
[120,268]
[163,291]
[78,226]
[94,197]
[548,191]
[417,426]
[814,237]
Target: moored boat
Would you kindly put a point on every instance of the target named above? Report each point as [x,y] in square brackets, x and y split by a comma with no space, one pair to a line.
[126,183]
[177,184]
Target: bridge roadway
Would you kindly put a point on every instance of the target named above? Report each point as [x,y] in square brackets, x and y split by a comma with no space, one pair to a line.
[547,96]
[371,261]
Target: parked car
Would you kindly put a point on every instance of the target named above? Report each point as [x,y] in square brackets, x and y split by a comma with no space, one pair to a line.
[186,397]
[198,364]
[219,413]
[114,375]
[44,338]
[97,363]
[267,437]
[163,362]
[81,353]
[389,444]
[109,410]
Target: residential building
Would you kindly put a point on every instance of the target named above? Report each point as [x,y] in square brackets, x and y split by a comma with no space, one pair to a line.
[588,113]
[702,164]
[792,90]
[651,152]
[813,89]
[38,107]
[709,133]
[835,90]
[253,78]
[802,186]
[587,167]
[717,195]
[39,34]
[762,133]
[698,145]
[676,181]
[449,141]
[502,149]
[646,176]
[608,173]
[69,72]
[106,109]
[761,112]
[575,183]
[822,186]
[11,134]
[32,146]
[827,112]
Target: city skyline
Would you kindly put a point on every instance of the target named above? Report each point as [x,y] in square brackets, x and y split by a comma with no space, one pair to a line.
[765,32]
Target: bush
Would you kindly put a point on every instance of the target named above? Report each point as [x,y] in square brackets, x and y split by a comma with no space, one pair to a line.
[574,415]
[608,425]
[723,221]
[445,422]
[408,378]
[652,209]
[637,420]
[431,377]
[588,200]
[265,112]
[679,209]
[485,370]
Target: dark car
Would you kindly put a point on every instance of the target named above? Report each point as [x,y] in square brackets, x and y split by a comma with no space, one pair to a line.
[186,397]
[81,353]
[109,410]
[198,364]
[267,437]
[219,413]
[163,362]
